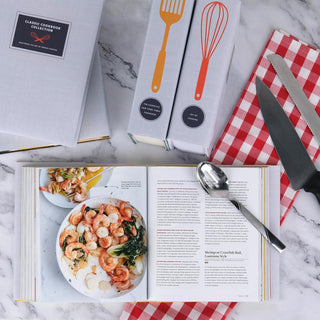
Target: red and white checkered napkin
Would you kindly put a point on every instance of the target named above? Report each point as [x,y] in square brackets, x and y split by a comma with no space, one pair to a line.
[176,310]
[246,139]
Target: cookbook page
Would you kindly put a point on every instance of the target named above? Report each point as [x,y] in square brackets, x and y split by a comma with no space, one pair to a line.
[85,278]
[202,248]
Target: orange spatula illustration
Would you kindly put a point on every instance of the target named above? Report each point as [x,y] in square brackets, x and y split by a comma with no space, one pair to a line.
[171,12]
[214,20]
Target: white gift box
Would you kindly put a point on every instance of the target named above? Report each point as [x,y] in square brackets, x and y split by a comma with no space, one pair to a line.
[95,123]
[159,70]
[47,51]
[203,76]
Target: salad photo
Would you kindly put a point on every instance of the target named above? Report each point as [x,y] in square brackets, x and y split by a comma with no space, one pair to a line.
[66,187]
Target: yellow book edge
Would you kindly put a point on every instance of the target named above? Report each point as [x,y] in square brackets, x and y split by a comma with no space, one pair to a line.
[55,145]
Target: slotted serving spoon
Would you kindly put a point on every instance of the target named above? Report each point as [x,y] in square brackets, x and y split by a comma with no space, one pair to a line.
[215,182]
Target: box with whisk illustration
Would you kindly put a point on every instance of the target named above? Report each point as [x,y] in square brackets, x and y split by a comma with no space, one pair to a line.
[159,70]
[203,75]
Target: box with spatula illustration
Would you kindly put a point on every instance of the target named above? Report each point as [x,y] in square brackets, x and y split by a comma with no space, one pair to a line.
[159,70]
[203,76]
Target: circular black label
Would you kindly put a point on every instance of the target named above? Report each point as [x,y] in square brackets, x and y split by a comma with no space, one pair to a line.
[150,109]
[193,116]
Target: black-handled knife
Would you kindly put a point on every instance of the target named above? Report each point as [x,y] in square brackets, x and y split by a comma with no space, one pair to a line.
[294,157]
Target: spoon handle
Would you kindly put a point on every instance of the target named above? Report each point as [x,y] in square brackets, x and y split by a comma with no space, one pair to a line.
[266,233]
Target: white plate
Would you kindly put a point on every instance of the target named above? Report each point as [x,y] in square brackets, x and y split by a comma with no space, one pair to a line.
[79,284]
[61,201]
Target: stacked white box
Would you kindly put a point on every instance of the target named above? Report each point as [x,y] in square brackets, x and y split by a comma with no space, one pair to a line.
[156,86]
[203,76]
[95,122]
[46,50]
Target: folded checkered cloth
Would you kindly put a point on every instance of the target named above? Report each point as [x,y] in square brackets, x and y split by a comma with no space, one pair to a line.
[176,310]
[246,141]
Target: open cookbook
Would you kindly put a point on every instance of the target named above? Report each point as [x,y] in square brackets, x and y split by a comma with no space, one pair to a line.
[133,233]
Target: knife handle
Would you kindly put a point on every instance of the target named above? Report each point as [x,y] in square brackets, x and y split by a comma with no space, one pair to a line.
[313,185]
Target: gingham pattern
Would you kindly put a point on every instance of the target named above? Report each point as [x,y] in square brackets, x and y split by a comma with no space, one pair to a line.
[246,139]
[176,310]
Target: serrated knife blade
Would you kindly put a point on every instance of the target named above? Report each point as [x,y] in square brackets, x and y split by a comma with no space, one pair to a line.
[294,157]
[297,94]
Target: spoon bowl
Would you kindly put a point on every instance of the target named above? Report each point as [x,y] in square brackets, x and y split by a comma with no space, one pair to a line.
[215,182]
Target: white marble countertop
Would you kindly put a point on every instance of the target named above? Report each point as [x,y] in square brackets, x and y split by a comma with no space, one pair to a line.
[121,42]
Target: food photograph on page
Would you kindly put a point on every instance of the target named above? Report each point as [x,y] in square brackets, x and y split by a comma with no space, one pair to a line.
[66,187]
[159,159]
[101,247]
[101,244]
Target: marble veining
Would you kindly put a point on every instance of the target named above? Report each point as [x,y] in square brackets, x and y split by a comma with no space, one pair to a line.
[121,41]
[117,69]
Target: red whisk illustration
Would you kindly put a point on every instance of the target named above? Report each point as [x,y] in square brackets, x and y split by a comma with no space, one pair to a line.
[214,20]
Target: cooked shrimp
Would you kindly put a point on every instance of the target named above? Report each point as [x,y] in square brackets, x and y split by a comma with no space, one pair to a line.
[120,274]
[125,211]
[122,206]
[83,208]
[91,246]
[105,242]
[75,217]
[102,208]
[66,185]
[107,263]
[115,241]
[96,253]
[89,216]
[121,262]
[48,188]
[84,226]
[73,250]
[100,220]
[71,227]
[81,193]
[68,235]
[123,285]
[113,217]
[90,236]
[112,209]
[119,232]
[113,227]
[79,197]
[123,239]
[116,230]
